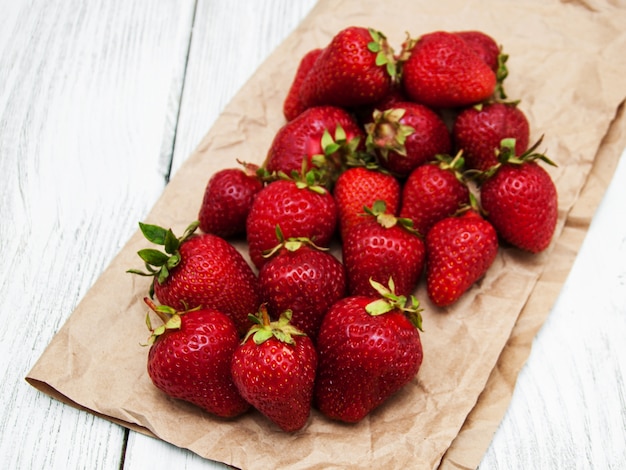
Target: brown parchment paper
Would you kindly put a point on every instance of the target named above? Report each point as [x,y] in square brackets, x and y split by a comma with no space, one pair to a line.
[566,67]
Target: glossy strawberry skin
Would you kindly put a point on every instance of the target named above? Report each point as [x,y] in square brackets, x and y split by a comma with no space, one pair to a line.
[522,204]
[443,71]
[360,187]
[430,137]
[363,359]
[430,194]
[277,379]
[459,251]
[483,45]
[302,137]
[373,251]
[300,212]
[226,202]
[345,74]
[193,363]
[293,105]
[211,274]
[478,131]
[306,281]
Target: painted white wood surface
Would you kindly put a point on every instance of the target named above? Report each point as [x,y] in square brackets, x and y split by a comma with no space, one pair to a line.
[97,101]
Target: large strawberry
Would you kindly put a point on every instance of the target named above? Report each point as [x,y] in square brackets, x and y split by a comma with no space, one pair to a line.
[359,187]
[227,200]
[406,136]
[442,70]
[369,348]
[293,105]
[479,130]
[190,358]
[356,68]
[520,199]
[199,271]
[322,137]
[459,251]
[300,208]
[380,247]
[274,370]
[304,278]
[434,191]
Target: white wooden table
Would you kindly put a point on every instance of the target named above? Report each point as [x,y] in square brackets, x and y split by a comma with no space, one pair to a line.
[99,103]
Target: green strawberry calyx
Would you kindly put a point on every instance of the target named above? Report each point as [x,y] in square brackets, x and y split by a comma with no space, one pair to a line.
[263,328]
[159,263]
[386,133]
[385,56]
[390,301]
[387,219]
[290,244]
[336,148]
[170,317]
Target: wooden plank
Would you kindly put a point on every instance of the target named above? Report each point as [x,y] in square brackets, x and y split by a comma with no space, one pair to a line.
[230,40]
[85,106]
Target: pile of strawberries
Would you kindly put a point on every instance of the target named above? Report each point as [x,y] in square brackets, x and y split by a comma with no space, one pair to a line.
[414,163]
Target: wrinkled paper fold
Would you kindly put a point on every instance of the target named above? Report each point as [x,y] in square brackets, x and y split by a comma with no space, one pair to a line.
[566,66]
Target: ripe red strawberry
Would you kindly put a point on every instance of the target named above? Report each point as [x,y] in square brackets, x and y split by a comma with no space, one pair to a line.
[520,199]
[274,370]
[459,251]
[293,106]
[199,271]
[479,130]
[321,137]
[442,70]
[299,208]
[380,247]
[356,68]
[406,136]
[190,358]
[368,348]
[434,191]
[227,199]
[360,187]
[304,278]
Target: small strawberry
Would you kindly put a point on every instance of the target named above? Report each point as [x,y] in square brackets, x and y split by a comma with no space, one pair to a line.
[406,136]
[227,199]
[380,247]
[459,251]
[359,187]
[322,137]
[479,130]
[199,271]
[369,348]
[520,198]
[442,70]
[190,358]
[356,68]
[293,106]
[304,278]
[434,191]
[274,370]
[301,209]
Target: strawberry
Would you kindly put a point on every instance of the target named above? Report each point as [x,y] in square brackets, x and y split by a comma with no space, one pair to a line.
[520,198]
[356,68]
[301,209]
[442,70]
[380,247]
[321,137]
[459,251]
[274,370]
[359,187]
[434,191]
[369,348]
[227,199]
[406,136]
[479,130]
[190,357]
[304,278]
[293,106]
[199,271]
